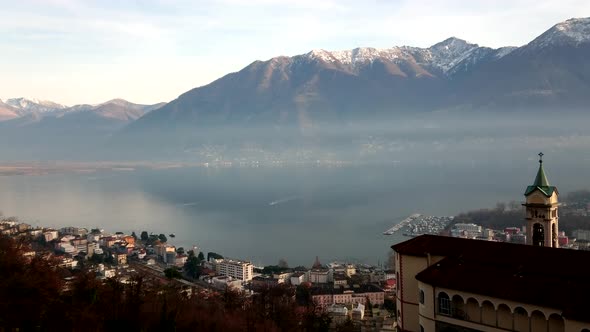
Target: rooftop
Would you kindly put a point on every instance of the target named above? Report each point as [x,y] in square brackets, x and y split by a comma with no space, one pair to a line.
[521,273]
[330,289]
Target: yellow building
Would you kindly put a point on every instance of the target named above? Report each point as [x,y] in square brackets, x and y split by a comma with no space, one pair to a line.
[454,284]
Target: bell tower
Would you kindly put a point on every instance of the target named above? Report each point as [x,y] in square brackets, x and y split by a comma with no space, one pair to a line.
[542,221]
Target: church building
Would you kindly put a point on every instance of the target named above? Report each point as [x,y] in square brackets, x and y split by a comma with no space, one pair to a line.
[455,284]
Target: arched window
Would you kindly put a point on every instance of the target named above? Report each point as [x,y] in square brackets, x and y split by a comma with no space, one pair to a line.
[458,307]
[556,323]
[444,304]
[421,328]
[521,320]
[421,296]
[538,235]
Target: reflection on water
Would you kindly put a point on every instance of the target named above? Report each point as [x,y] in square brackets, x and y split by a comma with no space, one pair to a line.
[264,214]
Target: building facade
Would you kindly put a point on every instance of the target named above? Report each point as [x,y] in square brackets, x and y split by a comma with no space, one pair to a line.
[455,284]
[356,294]
[235,269]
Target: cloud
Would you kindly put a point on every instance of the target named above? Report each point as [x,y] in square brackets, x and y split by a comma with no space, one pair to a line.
[68,41]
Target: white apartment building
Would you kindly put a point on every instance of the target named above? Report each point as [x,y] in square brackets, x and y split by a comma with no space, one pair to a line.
[470,231]
[50,235]
[582,234]
[235,269]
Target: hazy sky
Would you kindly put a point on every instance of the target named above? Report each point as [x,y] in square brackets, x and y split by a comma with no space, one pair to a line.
[148,51]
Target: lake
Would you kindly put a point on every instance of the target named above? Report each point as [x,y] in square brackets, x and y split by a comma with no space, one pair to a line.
[264,214]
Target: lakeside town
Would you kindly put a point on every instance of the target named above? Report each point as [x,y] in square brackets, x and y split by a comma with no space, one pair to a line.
[577,208]
[355,293]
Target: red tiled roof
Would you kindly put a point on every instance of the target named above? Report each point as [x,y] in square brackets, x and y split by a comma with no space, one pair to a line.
[390,282]
[555,278]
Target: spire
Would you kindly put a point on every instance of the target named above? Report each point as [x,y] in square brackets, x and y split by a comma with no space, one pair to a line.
[317,264]
[541,182]
[541,178]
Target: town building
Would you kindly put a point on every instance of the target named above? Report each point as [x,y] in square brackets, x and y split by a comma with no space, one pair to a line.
[181,260]
[166,253]
[76,231]
[130,240]
[223,282]
[319,275]
[297,278]
[262,282]
[326,295]
[469,231]
[121,258]
[582,234]
[50,235]
[340,279]
[235,269]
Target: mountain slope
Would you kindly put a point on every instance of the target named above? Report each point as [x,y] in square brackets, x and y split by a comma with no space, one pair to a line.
[75,130]
[25,106]
[551,72]
[7,112]
[322,86]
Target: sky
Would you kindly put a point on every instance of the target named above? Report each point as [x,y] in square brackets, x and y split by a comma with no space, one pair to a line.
[149,51]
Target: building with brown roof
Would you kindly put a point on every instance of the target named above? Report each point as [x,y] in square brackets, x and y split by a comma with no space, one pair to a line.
[454,284]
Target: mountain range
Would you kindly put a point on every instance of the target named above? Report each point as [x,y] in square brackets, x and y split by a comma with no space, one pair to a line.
[30,127]
[552,72]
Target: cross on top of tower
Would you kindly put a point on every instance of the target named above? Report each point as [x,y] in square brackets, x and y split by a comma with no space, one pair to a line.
[541,157]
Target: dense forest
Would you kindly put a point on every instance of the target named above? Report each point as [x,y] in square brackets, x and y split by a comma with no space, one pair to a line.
[35,296]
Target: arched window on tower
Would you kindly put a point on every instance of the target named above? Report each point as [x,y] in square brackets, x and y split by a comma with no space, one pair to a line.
[538,235]
[444,304]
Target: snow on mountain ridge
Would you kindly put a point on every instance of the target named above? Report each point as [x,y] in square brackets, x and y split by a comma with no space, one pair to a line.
[450,52]
[357,55]
[444,55]
[32,104]
[578,29]
[574,31]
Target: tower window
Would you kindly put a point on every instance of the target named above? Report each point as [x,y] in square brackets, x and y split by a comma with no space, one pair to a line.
[421,297]
[538,235]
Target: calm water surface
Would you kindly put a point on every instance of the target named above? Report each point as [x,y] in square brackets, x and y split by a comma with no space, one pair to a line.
[264,214]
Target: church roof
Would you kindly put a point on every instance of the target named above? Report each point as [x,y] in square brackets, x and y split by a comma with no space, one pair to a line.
[516,272]
[541,182]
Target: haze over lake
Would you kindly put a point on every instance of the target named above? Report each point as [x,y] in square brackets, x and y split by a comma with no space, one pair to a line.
[267,213]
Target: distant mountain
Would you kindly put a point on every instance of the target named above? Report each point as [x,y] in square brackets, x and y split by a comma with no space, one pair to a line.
[296,98]
[7,112]
[551,72]
[24,106]
[62,131]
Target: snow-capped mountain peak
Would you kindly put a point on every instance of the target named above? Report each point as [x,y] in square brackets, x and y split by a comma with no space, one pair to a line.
[444,55]
[578,29]
[574,32]
[451,51]
[355,56]
[31,104]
